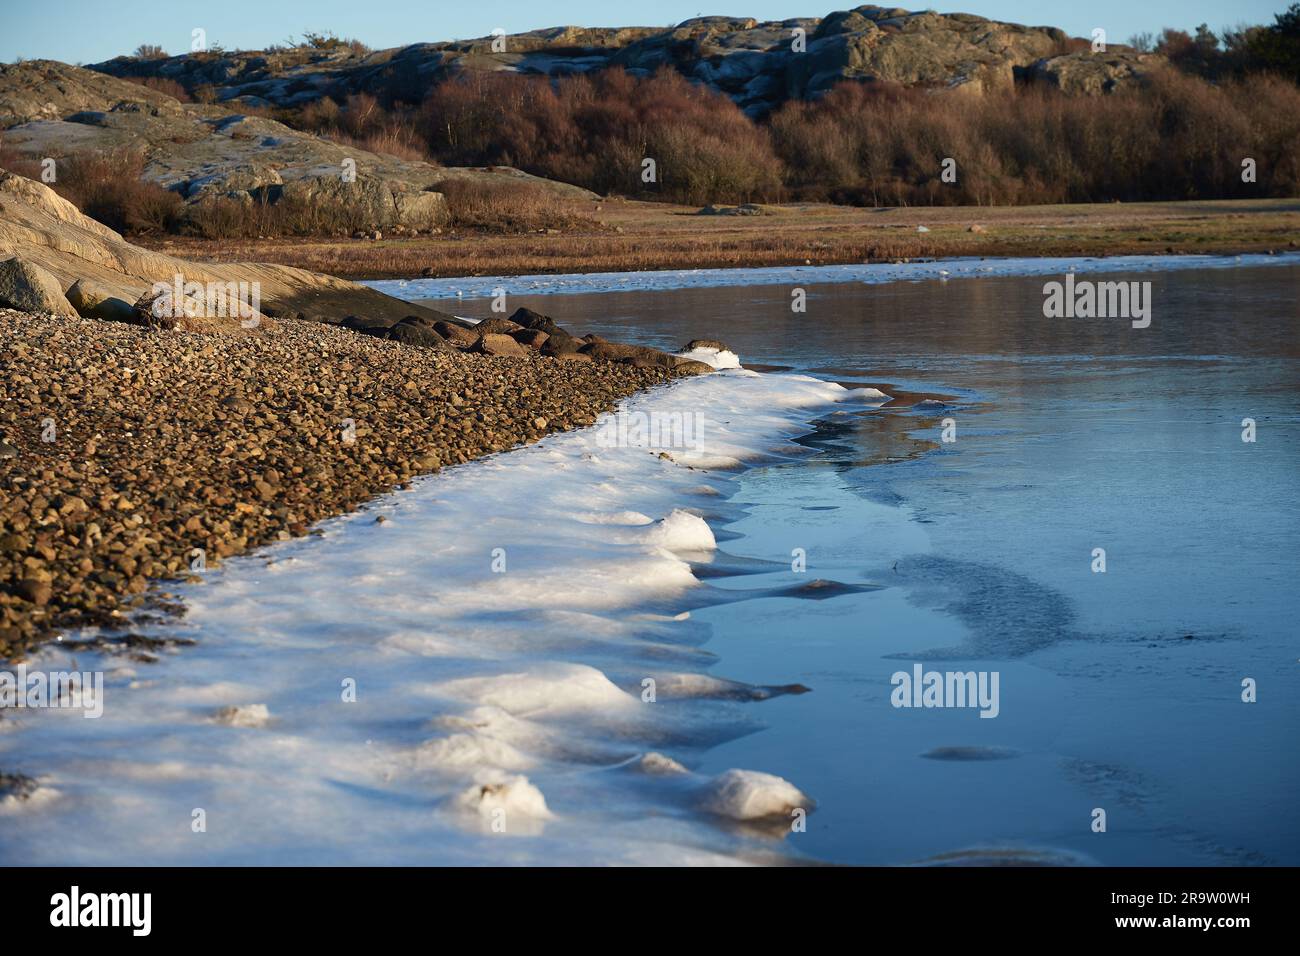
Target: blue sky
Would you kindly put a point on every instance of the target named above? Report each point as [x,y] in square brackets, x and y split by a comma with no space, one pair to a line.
[88,31]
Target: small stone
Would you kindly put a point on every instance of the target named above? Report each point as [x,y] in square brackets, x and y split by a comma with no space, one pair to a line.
[36,591]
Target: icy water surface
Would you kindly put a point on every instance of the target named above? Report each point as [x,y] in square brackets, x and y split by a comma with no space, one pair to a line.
[1119,690]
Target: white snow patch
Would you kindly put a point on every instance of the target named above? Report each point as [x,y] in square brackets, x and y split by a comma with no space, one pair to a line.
[615,517]
[470,751]
[750,795]
[499,798]
[682,531]
[549,690]
[718,358]
[464,676]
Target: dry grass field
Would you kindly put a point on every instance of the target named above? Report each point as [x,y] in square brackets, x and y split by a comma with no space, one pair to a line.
[616,235]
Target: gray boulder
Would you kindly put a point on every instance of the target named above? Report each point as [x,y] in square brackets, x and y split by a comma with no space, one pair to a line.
[420,210]
[27,287]
[494,343]
[1093,74]
[93,300]
[416,333]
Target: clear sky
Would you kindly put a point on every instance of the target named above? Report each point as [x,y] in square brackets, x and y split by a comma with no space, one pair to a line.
[88,31]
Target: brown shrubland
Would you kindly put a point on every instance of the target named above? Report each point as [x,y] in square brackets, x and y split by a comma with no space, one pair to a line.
[597,131]
[1176,137]
[1173,136]
[108,186]
[507,207]
[163,85]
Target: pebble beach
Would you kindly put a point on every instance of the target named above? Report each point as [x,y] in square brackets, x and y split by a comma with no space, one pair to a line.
[130,456]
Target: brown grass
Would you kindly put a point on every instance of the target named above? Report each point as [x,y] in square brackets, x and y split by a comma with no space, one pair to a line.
[223,219]
[642,235]
[508,207]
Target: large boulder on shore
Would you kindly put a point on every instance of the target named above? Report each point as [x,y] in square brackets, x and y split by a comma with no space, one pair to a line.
[416,332]
[561,342]
[27,287]
[533,338]
[373,325]
[43,229]
[493,343]
[640,355]
[528,319]
[455,334]
[497,325]
[93,300]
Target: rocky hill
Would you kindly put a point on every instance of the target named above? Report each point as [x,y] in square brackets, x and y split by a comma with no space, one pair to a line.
[758,64]
[201,152]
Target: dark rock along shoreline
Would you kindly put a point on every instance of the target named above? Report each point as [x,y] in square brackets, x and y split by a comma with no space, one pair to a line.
[167,442]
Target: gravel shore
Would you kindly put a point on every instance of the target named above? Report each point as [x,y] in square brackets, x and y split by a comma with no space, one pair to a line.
[125,451]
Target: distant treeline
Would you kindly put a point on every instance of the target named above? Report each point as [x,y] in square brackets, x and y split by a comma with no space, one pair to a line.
[1172,136]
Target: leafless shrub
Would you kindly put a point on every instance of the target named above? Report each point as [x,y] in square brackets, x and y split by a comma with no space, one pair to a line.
[227,218]
[108,186]
[163,85]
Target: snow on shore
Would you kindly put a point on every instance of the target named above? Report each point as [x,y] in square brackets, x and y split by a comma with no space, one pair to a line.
[463,682]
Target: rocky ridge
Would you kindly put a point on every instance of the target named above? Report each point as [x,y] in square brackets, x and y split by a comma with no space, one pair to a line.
[759,64]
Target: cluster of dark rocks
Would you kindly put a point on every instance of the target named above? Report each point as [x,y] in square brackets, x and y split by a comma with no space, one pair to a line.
[130,452]
[524,332]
